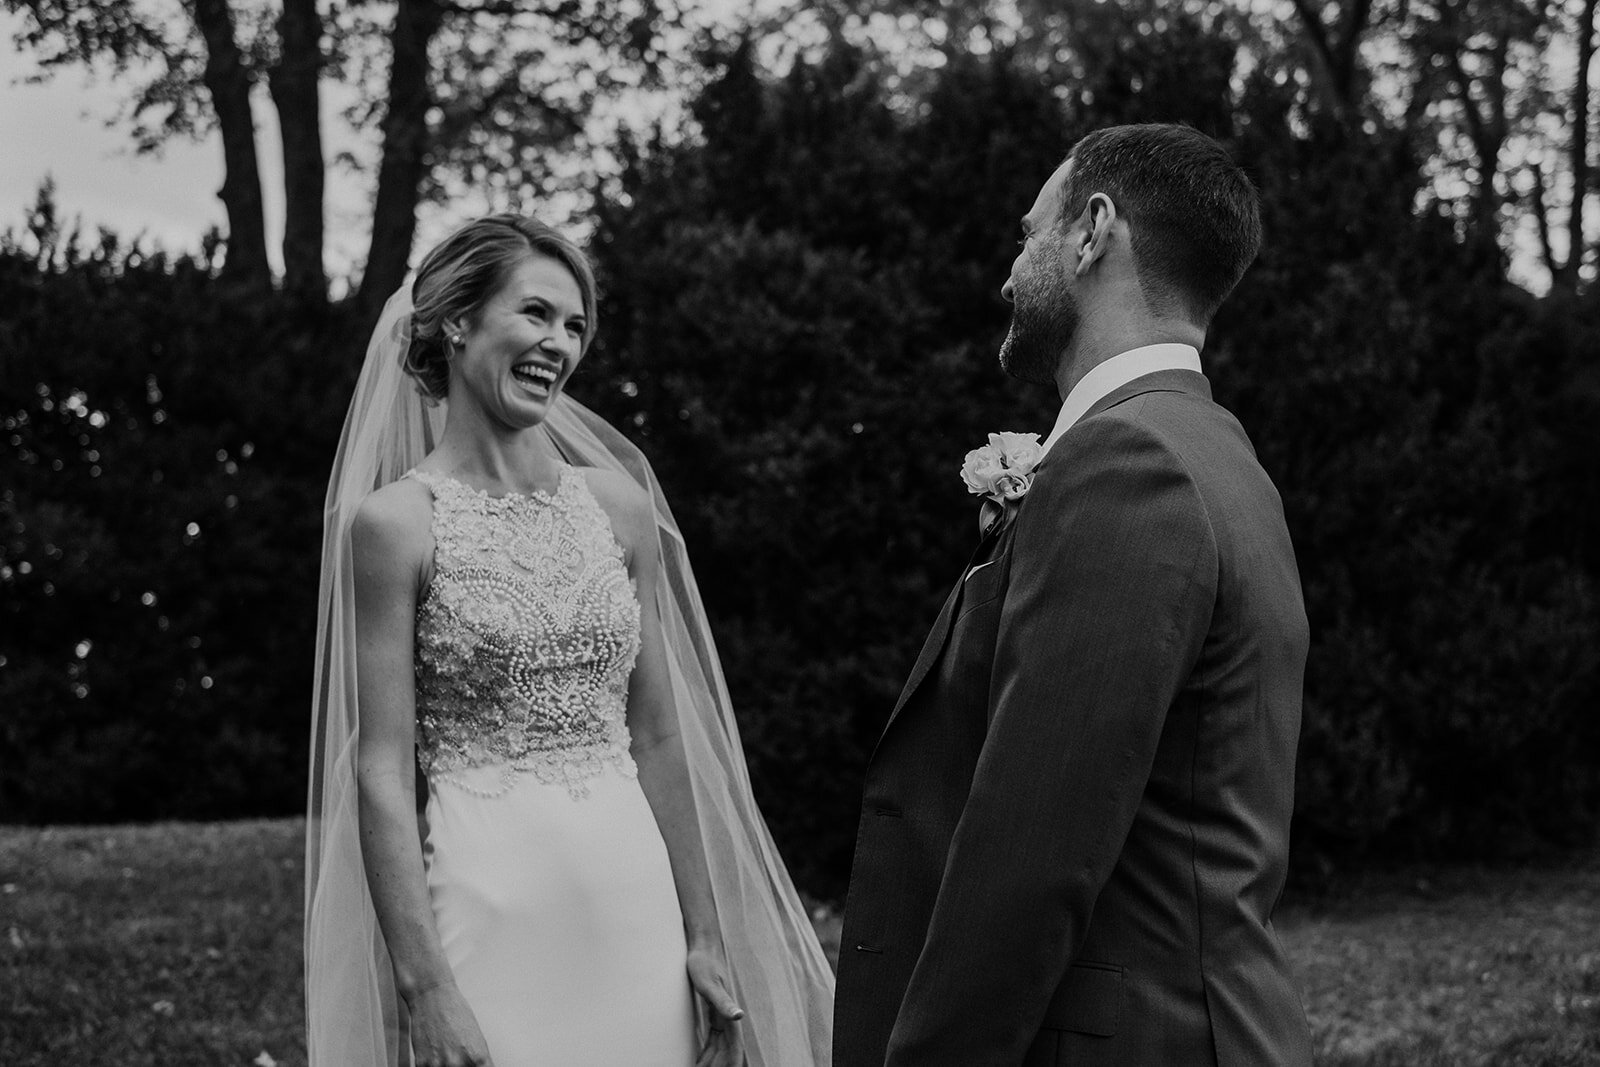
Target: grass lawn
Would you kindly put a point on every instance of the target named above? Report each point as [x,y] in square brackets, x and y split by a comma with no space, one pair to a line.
[178,945]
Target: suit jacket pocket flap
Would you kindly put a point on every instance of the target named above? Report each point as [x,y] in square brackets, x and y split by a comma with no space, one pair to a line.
[1088,1001]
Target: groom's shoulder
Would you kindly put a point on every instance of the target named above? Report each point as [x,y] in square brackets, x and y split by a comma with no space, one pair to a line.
[1176,435]
[1155,419]
[1183,420]
[1103,452]
[1181,397]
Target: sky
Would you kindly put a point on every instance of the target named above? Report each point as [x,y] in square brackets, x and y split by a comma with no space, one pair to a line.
[58,129]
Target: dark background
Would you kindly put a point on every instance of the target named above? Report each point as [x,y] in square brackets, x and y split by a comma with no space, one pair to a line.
[801,310]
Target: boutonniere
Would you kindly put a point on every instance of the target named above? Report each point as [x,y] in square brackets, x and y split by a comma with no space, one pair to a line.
[1001,472]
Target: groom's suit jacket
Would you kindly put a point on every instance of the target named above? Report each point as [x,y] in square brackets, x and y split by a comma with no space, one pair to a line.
[1076,823]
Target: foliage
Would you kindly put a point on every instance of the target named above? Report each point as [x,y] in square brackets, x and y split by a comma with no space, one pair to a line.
[1405,399]
[164,455]
[801,319]
[1487,93]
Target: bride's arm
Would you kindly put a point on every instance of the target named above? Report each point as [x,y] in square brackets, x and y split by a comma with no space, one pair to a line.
[663,769]
[390,547]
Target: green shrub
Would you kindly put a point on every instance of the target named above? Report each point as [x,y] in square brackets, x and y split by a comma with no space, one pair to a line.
[165,452]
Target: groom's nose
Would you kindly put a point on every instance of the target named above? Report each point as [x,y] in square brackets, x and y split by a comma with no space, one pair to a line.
[1008,291]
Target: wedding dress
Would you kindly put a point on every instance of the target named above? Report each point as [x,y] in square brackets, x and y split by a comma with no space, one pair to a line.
[546,872]
[549,880]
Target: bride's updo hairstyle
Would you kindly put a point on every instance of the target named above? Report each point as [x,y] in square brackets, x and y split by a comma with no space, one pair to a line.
[460,275]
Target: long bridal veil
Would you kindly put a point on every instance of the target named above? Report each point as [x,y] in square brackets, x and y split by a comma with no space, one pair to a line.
[353,1015]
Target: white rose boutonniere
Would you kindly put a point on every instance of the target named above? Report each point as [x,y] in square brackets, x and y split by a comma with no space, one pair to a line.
[1002,470]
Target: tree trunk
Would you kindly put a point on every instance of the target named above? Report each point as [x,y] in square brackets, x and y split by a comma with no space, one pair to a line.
[405,146]
[1337,50]
[1487,122]
[1493,132]
[1569,276]
[294,92]
[228,79]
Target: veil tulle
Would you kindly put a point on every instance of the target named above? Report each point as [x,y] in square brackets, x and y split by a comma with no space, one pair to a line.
[353,1016]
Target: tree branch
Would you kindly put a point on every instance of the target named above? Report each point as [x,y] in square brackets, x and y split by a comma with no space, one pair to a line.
[508,9]
[83,30]
[1577,239]
[1317,32]
[1355,24]
[1336,57]
[1542,219]
[504,9]
[1475,124]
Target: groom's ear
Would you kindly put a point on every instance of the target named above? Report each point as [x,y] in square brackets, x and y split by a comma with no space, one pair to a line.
[1094,240]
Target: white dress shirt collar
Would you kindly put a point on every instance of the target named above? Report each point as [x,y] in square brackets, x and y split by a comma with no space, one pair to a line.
[1116,372]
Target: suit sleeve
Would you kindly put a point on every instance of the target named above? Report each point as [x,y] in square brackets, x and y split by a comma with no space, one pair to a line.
[1113,579]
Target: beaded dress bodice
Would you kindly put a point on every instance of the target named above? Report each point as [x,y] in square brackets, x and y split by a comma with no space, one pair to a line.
[525,637]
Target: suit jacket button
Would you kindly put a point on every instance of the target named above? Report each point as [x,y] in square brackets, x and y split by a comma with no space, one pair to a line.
[869,948]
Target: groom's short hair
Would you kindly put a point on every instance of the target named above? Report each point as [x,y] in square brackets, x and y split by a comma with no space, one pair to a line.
[1193,216]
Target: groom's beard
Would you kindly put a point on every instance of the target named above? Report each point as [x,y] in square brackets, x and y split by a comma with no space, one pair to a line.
[1042,325]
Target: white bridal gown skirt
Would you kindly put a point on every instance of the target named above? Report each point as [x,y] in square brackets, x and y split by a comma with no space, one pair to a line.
[560,921]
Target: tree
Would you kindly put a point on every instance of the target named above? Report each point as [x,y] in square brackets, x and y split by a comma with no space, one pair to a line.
[202,75]
[500,90]
[1566,271]
[1491,95]
[405,146]
[1470,83]
[1336,46]
[227,78]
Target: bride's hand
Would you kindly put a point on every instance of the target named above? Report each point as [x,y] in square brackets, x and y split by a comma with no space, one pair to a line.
[724,1045]
[444,1032]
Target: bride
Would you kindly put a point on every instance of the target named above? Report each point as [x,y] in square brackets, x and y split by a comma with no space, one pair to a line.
[509,627]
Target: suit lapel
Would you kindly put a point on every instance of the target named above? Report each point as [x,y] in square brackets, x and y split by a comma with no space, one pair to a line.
[930,649]
[940,634]
[1160,381]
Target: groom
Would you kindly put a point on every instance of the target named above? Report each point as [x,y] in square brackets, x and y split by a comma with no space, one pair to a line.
[1076,822]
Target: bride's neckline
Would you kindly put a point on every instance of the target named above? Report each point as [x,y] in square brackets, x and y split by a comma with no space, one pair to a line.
[546,496]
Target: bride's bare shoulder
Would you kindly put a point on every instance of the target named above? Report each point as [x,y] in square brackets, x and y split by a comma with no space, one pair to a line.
[395,519]
[625,502]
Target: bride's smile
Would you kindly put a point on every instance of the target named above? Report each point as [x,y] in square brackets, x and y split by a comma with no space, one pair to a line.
[519,350]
